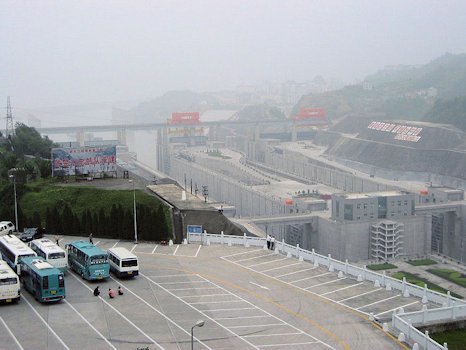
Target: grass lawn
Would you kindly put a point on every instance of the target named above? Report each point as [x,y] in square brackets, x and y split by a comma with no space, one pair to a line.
[419,281]
[384,266]
[450,275]
[422,262]
[456,340]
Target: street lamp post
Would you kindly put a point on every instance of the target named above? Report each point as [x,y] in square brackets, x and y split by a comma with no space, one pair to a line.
[134,214]
[16,202]
[199,323]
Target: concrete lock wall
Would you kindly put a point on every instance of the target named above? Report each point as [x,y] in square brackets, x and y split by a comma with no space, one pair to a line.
[296,164]
[223,189]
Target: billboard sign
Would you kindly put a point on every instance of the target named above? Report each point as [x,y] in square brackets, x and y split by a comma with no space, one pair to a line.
[83,160]
[194,229]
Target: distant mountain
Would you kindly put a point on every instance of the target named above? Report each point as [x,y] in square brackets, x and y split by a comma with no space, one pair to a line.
[451,111]
[161,108]
[396,92]
[260,112]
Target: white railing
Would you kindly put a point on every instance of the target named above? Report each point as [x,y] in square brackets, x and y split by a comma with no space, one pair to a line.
[452,308]
[408,332]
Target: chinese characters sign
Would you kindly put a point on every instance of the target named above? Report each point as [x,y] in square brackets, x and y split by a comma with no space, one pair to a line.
[83,160]
[402,132]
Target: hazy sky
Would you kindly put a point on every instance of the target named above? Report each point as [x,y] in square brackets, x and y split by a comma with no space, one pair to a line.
[74,52]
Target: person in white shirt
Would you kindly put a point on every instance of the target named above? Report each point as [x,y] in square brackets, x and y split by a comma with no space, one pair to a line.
[268,241]
[272,243]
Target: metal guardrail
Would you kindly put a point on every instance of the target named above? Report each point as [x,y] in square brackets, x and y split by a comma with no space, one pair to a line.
[452,308]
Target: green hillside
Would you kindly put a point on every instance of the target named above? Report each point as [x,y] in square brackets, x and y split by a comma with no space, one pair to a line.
[449,112]
[398,92]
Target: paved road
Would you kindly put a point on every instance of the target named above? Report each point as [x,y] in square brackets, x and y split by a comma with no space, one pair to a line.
[249,298]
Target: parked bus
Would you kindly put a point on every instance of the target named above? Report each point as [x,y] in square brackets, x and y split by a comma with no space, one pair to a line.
[13,250]
[45,282]
[87,260]
[123,262]
[9,283]
[51,252]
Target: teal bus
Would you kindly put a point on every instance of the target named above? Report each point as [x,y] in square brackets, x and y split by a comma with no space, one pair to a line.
[87,260]
[45,282]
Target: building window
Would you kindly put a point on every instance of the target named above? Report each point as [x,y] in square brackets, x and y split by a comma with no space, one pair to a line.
[358,206]
[365,205]
[406,203]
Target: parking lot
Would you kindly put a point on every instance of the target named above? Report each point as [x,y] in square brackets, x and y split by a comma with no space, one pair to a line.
[249,298]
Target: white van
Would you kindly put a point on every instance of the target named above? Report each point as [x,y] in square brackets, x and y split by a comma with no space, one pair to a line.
[6,228]
[123,262]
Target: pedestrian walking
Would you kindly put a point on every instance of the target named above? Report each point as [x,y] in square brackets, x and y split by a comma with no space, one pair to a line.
[96,291]
[57,239]
[272,243]
[120,290]
[90,239]
[111,293]
[268,241]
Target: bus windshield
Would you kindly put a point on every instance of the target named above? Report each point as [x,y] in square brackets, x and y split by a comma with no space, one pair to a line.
[8,280]
[98,259]
[60,255]
[24,256]
[129,263]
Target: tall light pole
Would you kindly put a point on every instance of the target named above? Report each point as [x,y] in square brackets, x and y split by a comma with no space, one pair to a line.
[199,323]
[134,214]
[16,202]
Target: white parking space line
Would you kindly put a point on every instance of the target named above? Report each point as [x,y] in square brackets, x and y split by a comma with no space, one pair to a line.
[166,276]
[134,247]
[255,257]
[97,243]
[396,308]
[241,317]
[358,295]
[251,251]
[266,262]
[176,249]
[324,283]
[45,322]
[202,295]
[119,313]
[307,291]
[193,288]
[268,313]
[216,310]
[379,301]
[11,333]
[281,267]
[181,282]
[160,313]
[89,324]
[292,273]
[153,250]
[216,302]
[197,252]
[268,335]
[260,325]
[116,244]
[289,344]
[203,313]
[347,287]
[310,277]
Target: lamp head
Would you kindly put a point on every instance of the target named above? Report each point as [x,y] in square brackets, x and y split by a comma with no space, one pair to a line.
[200,323]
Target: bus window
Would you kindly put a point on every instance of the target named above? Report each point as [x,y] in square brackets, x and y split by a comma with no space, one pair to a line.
[8,280]
[45,282]
[129,263]
[99,259]
[60,255]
